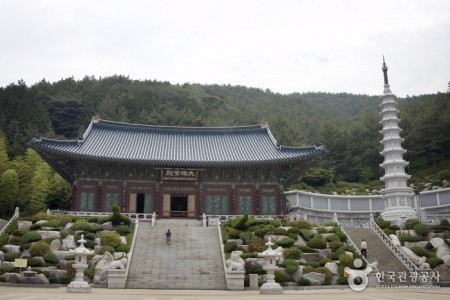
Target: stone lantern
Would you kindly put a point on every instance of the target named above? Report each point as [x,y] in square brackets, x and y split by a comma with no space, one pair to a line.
[270,256]
[78,285]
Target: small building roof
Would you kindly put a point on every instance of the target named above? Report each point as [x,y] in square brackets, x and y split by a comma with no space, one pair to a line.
[110,141]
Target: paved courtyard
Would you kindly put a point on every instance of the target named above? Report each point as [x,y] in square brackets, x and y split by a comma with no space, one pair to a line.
[26,293]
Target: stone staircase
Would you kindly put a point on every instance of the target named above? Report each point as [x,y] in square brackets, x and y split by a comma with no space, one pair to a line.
[193,260]
[379,252]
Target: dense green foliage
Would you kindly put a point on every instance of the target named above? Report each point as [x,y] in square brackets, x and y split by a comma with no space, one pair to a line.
[348,126]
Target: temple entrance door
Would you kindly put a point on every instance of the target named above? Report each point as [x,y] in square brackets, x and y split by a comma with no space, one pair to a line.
[140,202]
[178,205]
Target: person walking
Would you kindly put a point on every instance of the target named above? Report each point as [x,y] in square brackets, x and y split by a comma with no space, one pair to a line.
[168,235]
[364,248]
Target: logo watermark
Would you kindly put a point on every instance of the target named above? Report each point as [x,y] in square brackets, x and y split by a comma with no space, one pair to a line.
[358,280]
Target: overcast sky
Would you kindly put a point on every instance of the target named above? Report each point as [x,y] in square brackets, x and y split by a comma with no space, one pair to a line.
[285,46]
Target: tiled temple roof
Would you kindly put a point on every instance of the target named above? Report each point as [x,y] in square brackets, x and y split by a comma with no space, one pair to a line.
[177,146]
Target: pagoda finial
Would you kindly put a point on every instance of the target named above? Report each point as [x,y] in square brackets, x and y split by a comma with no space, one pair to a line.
[385,69]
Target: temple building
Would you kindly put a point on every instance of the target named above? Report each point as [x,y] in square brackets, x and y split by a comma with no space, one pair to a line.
[177,171]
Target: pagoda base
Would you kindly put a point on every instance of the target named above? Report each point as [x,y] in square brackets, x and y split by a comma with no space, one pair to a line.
[399,216]
[78,287]
[271,288]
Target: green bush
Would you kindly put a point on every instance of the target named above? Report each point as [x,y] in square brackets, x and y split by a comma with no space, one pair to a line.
[40,216]
[65,280]
[229,246]
[7,269]
[394,227]
[115,219]
[434,261]
[420,251]
[421,229]
[293,253]
[334,238]
[110,239]
[291,269]
[302,224]
[409,238]
[256,269]
[316,243]
[4,237]
[328,275]
[123,248]
[388,231]
[90,272]
[123,230]
[239,222]
[82,225]
[285,242]
[444,175]
[275,223]
[14,240]
[306,234]
[103,249]
[323,261]
[93,219]
[280,231]
[280,277]
[52,223]
[18,232]
[383,223]
[11,256]
[233,233]
[39,248]
[304,282]
[346,260]
[50,258]
[409,224]
[248,255]
[341,235]
[89,236]
[34,262]
[444,222]
[246,236]
[306,249]
[293,230]
[335,245]
[30,236]
[35,227]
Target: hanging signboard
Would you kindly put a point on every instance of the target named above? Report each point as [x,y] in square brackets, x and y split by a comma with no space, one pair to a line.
[178,174]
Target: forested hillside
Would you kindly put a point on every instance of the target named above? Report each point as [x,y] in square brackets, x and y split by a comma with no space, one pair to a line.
[347,125]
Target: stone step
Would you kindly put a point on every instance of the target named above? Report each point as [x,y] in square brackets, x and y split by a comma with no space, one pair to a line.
[193,260]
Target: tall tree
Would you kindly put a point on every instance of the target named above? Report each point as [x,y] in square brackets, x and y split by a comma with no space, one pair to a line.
[39,188]
[9,187]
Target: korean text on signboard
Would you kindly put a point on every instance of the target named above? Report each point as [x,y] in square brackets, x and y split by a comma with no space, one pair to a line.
[178,174]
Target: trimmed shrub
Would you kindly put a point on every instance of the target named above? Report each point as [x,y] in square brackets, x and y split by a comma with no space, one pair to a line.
[34,262]
[409,224]
[335,245]
[30,236]
[248,255]
[280,277]
[90,272]
[420,251]
[39,248]
[239,222]
[434,261]
[316,243]
[302,224]
[35,227]
[383,223]
[50,258]
[7,269]
[293,230]
[280,231]
[328,275]
[4,237]
[306,249]
[18,232]
[93,219]
[82,225]
[103,249]
[246,236]
[89,235]
[229,246]
[291,269]
[334,238]
[421,229]
[123,230]
[14,240]
[346,260]
[409,238]
[40,216]
[304,282]
[394,227]
[306,234]
[341,235]
[388,231]
[123,248]
[293,253]
[110,239]
[65,280]
[255,244]
[321,230]
[323,261]
[11,256]
[233,233]
[285,242]
[275,223]
[52,223]
[444,222]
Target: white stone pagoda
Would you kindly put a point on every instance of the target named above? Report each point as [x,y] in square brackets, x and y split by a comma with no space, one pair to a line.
[396,194]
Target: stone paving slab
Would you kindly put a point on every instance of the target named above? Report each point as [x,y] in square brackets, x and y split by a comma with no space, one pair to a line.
[27,293]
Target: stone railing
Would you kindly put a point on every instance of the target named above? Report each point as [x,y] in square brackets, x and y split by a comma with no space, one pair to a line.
[143,217]
[408,263]
[15,216]
[212,220]
[117,278]
[219,230]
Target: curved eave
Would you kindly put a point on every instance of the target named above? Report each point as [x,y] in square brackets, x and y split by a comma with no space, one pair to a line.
[303,155]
